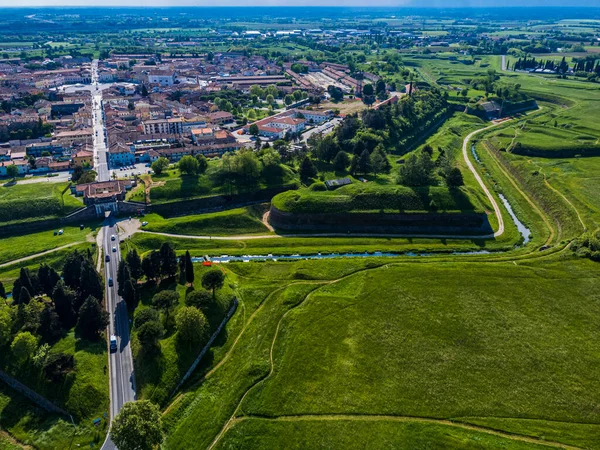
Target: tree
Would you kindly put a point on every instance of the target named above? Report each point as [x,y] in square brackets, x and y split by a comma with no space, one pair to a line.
[307,169]
[6,324]
[123,275]
[253,130]
[144,91]
[213,280]
[149,334]
[130,295]
[24,296]
[151,265]
[71,273]
[2,291]
[92,319]
[23,347]
[47,278]
[202,163]
[364,162]
[188,165]
[454,178]
[199,299]
[165,301]
[12,171]
[189,268]
[91,284]
[380,86]
[64,298]
[379,161]
[137,426]
[168,265]
[192,325]
[50,329]
[145,315]
[417,170]
[368,89]
[135,264]
[288,100]
[160,165]
[341,161]
[270,99]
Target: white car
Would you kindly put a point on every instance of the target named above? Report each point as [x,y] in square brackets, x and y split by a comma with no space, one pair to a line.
[144,224]
[112,237]
[60,232]
[114,249]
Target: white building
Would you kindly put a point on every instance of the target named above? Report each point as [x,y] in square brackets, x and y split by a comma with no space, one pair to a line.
[164,126]
[162,77]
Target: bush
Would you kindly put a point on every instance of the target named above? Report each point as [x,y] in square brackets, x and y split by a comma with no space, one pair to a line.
[199,299]
[318,186]
[146,315]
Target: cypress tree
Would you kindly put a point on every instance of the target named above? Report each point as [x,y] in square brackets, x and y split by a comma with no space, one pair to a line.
[189,268]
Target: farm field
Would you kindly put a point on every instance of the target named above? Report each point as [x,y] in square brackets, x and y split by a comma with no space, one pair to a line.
[446,350]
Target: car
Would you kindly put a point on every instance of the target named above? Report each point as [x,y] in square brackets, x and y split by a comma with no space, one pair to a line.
[110,282]
[60,232]
[144,224]
[114,249]
[113,343]
[107,258]
[112,237]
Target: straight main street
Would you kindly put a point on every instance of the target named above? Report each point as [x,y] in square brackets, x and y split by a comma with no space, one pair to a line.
[99,136]
[122,380]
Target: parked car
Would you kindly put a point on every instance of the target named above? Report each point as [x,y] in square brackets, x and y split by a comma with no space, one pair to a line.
[144,224]
[60,232]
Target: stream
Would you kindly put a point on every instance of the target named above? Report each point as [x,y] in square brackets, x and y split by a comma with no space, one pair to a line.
[297,257]
[525,232]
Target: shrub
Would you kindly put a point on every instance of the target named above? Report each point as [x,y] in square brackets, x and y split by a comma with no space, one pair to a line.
[318,186]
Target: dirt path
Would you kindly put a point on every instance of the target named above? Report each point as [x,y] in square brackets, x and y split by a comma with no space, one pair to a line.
[411,419]
[47,252]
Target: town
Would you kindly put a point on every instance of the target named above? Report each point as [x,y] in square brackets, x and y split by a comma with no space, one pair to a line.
[273,226]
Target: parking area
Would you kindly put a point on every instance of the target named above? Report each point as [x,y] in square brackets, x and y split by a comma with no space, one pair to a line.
[324,128]
[129,171]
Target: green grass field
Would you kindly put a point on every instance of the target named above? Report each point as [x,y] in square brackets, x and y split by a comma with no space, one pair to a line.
[471,345]
[237,221]
[15,247]
[21,202]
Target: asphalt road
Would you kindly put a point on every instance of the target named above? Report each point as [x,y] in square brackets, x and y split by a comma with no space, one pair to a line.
[100,149]
[122,380]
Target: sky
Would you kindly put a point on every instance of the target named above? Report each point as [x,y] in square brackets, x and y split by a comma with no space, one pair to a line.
[360,3]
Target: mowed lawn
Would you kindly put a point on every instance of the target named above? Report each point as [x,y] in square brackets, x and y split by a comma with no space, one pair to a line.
[16,247]
[468,342]
[498,340]
[238,221]
[21,202]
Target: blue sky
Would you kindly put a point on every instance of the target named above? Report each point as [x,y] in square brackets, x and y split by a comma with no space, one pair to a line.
[361,3]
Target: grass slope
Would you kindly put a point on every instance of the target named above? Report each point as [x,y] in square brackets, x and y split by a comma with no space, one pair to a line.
[371,197]
[467,342]
[234,221]
[20,202]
